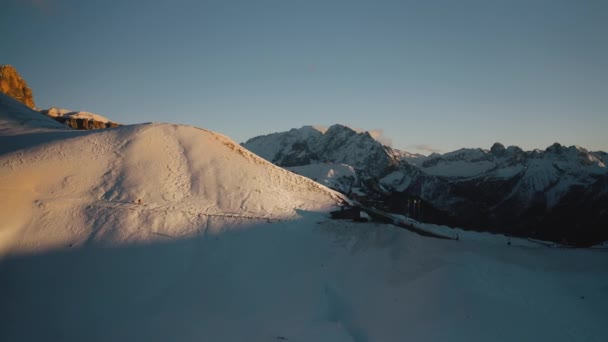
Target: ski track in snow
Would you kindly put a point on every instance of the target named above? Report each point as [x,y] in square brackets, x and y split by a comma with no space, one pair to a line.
[179,172]
[115,205]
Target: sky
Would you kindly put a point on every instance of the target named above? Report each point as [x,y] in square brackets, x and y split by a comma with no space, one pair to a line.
[425,76]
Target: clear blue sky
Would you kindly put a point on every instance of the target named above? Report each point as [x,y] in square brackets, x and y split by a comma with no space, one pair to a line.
[433,75]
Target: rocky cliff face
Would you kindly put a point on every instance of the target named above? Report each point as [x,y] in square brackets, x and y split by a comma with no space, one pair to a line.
[86,124]
[558,194]
[14,86]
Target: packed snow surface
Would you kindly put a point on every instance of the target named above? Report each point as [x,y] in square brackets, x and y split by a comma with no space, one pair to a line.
[160,232]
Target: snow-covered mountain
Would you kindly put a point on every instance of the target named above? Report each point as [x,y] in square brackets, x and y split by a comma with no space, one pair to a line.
[555,194]
[161,232]
[337,144]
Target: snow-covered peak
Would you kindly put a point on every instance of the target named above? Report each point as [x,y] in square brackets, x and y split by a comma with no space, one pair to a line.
[295,141]
[574,159]
[337,128]
[566,151]
[306,131]
[556,148]
[337,144]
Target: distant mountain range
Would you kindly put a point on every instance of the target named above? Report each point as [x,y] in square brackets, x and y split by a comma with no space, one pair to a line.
[559,194]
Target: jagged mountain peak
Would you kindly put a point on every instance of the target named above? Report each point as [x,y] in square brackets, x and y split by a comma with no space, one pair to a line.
[308,129]
[498,149]
[469,162]
[511,150]
[335,128]
[556,148]
[337,144]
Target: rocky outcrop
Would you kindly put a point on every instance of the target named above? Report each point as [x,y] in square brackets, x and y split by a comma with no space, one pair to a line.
[14,86]
[79,120]
[86,124]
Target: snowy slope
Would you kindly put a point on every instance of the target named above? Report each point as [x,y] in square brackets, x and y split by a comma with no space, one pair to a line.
[404,156]
[184,169]
[227,247]
[304,281]
[17,119]
[76,179]
[340,177]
